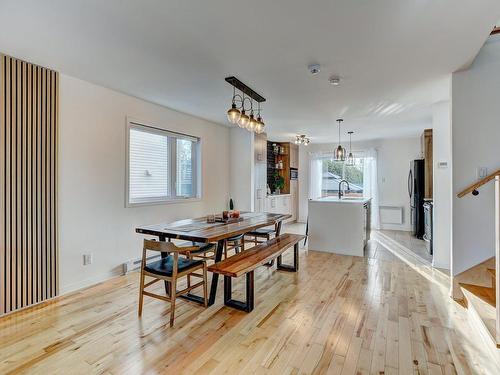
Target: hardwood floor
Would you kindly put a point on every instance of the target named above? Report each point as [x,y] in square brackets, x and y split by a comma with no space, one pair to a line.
[338,314]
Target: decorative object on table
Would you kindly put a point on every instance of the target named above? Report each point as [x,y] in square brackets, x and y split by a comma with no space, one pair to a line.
[237,113]
[268,190]
[225,214]
[210,218]
[340,151]
[231,204]
[229,220]
[302,140]
[350,157]
[279,182]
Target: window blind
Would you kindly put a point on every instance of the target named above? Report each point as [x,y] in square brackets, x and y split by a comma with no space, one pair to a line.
[149,166]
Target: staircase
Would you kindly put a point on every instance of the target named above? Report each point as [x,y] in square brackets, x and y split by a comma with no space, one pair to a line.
[480,286]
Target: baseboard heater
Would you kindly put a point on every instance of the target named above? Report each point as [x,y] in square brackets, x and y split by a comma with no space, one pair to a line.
[391,214]
[133,264]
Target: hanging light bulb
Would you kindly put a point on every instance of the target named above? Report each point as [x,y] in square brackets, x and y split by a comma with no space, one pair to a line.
[297,140]
[244,119]
[262,126]
[350,157]
[233,115]
[252,123]
[340,151]
[306,141]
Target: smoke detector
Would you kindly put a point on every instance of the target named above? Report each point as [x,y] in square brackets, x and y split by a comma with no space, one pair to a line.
[334,80]
[314,69]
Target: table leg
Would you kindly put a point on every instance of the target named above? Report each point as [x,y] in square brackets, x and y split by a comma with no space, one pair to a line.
[164,255]
[215,276]
[215,280]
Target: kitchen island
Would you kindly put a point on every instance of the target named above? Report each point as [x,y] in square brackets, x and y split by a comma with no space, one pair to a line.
[340,226]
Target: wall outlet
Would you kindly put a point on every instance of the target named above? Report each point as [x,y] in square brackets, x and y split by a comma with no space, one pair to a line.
[87,259]
[481,172]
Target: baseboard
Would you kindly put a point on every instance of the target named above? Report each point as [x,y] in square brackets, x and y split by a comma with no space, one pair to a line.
[73,287]
[401,227]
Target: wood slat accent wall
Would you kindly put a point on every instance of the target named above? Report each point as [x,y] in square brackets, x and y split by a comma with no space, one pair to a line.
[28,184]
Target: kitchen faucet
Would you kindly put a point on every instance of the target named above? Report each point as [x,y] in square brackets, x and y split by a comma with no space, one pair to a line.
[340,188]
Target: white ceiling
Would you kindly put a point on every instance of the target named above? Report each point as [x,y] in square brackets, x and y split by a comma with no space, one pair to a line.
[393,55]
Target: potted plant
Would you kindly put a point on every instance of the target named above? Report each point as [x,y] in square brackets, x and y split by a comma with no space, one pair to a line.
[279,182]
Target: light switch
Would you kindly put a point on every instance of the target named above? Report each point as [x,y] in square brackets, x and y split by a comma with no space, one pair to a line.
[481,172]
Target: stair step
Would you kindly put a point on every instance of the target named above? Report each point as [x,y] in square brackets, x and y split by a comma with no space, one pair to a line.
[483,313]
[484,293]
[492,272]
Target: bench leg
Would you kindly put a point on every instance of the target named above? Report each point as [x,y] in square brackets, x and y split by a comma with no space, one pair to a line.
[295,266]
[248,305]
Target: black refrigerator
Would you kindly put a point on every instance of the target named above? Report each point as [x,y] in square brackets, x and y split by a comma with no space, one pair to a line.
[416,186]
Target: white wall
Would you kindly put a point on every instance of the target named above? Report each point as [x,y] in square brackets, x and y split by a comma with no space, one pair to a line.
[92,214]
[442,187]
[241,168]
[394,156]
[476,135]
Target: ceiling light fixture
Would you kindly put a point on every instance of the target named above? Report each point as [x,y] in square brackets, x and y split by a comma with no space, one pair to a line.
[334,80]
[314,69]
[237,113]
[302,140]
[350,157]
[340,151]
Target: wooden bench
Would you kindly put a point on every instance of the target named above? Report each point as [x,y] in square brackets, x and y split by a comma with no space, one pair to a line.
[246,262]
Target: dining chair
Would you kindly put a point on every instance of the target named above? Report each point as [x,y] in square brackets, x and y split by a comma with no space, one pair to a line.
[236,242]
[170,268]
[264,233]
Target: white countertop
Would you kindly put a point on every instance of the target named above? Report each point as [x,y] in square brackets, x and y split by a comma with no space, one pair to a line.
[348,200]
[277,195]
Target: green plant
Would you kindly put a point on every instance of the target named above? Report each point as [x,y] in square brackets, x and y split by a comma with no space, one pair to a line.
[279,181]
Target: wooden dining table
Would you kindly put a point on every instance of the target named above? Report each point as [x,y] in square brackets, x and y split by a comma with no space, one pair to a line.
[198,230]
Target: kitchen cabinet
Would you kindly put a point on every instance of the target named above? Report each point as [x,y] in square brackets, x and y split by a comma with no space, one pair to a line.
[278,204]
[426,144]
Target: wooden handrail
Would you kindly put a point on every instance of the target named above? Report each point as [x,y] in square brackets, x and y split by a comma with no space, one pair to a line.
[496,30]
[478,184]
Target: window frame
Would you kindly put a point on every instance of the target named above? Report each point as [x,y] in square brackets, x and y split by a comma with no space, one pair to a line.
[173,136]
[331,157]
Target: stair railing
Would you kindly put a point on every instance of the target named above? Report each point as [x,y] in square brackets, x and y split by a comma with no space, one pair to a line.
[497,256]
[473,189]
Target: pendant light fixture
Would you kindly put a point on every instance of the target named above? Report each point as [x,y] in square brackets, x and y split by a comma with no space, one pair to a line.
[237,113]
[244,119]
[350,157]
[234,114]
[340,151]
[260,123]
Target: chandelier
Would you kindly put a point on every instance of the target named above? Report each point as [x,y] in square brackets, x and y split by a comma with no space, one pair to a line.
[243,103]
[302,140]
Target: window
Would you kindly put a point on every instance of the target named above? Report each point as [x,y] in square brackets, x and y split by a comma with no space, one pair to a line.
[333,171]
[162,165]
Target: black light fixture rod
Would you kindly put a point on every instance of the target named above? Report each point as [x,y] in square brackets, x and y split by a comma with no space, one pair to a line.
[245,89]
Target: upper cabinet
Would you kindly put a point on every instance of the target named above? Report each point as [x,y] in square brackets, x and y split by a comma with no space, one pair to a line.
[294,156]
[426,143]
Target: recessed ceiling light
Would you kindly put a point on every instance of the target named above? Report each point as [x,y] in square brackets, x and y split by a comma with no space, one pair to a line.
[334,80]
[314,69]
